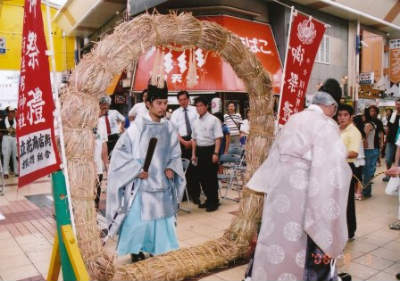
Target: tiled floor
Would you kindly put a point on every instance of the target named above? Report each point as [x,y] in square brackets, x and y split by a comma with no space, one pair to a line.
[26,232]
[26,235]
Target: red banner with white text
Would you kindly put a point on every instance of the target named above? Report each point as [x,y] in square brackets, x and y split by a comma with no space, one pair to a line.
[304,39]
[37,151]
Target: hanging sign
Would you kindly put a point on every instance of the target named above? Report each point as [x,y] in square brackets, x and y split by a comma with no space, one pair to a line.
[305,35]
[213,73]
[366,78]
[37,150]
[394,61]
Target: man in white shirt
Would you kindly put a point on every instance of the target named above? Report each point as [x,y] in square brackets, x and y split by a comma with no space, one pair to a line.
[100,156]
[183,119]
[139,108]
[206,142]
[113,121]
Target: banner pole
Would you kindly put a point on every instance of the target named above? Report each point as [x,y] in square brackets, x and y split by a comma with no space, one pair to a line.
[58,117]
[357,88]
[284,68]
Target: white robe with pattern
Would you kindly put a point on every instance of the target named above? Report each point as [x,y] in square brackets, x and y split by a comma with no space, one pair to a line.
[306,180]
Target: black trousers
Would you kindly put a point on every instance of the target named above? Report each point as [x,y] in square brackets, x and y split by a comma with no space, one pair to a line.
[112,140]
[207,174]
[351,207]
[98,190]
[192,181]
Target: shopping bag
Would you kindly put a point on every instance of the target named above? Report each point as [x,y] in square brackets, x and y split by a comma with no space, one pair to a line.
[392,187]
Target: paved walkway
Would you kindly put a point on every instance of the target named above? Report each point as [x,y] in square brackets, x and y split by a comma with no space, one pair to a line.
[27,231]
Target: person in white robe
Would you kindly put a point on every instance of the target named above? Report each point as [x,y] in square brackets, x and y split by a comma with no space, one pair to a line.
[149,225]
[305,180]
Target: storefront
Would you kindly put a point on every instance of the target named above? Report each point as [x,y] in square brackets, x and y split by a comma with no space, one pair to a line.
[205,73]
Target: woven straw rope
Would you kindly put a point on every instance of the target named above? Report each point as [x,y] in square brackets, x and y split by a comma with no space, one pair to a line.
[90,79]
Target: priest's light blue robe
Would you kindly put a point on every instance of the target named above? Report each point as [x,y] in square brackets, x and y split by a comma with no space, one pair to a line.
[149,225]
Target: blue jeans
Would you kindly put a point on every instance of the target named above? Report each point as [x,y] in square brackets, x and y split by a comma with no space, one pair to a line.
[371,157]
[390,150]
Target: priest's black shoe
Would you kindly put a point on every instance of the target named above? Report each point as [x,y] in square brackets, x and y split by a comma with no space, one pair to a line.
[137,257]
[344,276]
[212,208]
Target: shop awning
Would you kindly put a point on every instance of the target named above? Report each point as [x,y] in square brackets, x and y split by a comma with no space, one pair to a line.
[381,15]
[213,73]
[82,18]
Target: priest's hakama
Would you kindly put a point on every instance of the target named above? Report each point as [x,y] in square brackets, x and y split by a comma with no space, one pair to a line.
[149,225]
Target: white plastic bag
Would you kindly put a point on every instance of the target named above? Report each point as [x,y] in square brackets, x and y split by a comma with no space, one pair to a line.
[392,187]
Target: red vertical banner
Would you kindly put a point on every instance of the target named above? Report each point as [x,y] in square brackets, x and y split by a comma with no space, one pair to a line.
[304,38]
[37,150]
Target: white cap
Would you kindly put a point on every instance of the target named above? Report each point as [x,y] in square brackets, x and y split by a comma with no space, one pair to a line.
[11,108]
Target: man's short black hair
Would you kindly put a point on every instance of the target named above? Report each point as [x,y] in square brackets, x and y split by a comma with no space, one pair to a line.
[202,100]
[232,102]
[180,93]
[346,107]
[375,107]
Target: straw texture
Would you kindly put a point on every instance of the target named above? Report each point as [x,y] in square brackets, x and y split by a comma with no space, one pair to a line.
[80,112]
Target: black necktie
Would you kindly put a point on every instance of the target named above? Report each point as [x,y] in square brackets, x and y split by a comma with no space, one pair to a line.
[188,128]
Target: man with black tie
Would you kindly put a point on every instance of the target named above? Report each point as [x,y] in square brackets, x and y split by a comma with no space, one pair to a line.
[183,118]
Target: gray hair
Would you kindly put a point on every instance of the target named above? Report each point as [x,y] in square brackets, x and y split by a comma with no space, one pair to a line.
[323,98]
[105,99]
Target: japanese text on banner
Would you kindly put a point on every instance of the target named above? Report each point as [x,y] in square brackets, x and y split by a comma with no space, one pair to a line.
[304,39]
[37,152]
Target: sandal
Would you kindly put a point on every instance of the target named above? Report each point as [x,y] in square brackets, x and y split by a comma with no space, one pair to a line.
[395,225]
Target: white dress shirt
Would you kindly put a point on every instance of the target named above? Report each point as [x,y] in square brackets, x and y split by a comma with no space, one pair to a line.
[245,127]
[138,109]
[113,117]
[206,130]
[178,119]
[100,138]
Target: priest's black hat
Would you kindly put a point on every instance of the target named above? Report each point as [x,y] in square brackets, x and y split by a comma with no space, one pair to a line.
[153,92]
